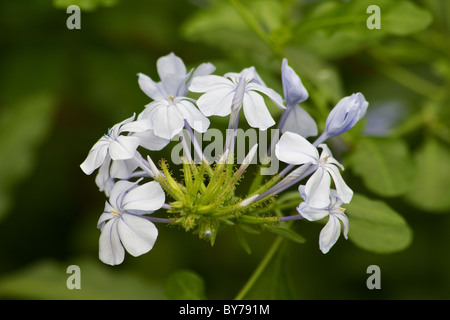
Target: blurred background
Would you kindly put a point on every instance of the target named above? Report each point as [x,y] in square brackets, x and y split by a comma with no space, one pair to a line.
[61,89]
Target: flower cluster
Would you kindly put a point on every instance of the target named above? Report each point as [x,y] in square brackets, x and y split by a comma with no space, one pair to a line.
[204,199]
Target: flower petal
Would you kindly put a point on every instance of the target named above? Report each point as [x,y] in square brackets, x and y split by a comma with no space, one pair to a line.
[293,89]
[117,193]
[170,65]
[294,149]
[311,214]
[345,223]
[272,94]
[317,189]
[96,156]
[122,169]
[147,197]
[151,88]
[299,121]
[216,102]
[343,191]
[193,116]
[329,234]
[167,122]
[123,148]
[150,141]
[210,83]
[110,249]
[256,112]
[138,235]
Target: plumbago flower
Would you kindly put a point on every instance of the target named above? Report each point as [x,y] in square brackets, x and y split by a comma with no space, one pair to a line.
[171,108]
[206,199]
[335,213]
[115,154]
[122,223]
[227,94]
[294,149]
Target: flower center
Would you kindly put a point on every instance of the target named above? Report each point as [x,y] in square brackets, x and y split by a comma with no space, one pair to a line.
[171,99]
[115,213]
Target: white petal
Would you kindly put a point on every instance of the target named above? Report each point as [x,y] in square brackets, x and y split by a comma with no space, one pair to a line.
[299,121]
[105,216]
[170,65]
[216,102]
[311,214]
[272,94]
[317,189]
[103,176]
[344,192]
[137,126]
[329,234]
[110,249]
[204,69]
[209,83]
[174,85]
[122,169]
[294,149]
[167,122]
[117,193]
[138,235]
[256,112]
[151,88]
[193,116]
[150,141]
[147,197]
[96,157]
[123,148]
[345,223]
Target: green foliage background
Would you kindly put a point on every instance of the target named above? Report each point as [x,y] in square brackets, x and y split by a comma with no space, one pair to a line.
[61,89]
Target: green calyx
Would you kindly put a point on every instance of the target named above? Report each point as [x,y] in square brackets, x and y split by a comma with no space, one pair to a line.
[204,199]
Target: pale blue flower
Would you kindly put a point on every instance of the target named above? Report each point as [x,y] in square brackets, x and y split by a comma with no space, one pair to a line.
[122,225]
[347,112]
[296,150]
[332,230]
[227,94]
[170,108]
[114,145]
[295,118]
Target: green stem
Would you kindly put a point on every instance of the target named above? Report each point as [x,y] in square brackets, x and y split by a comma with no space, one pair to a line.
[260,269]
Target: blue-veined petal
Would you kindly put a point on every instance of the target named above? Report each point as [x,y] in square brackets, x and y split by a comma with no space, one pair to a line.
[137,235]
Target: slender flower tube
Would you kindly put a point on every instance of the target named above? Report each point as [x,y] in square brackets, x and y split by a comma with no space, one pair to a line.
[220,97]
[122,224]
[294,149]
[170,108]
[347,112]
[330,233]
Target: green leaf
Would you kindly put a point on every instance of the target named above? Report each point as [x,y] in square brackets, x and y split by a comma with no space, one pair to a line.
[405,18]
[384,164]
[430,190]
[185,285]
[376,227]
[47,279]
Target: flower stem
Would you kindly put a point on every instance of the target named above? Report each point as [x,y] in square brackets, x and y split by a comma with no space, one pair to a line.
[260,269]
